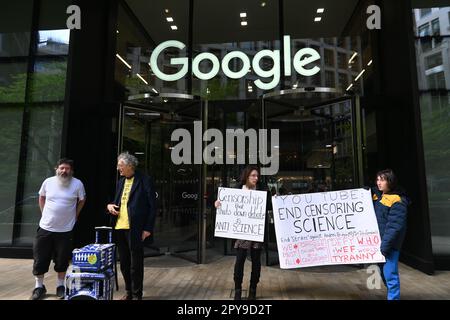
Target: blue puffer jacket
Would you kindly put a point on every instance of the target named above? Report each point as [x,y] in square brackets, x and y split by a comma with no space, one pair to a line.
[391,211]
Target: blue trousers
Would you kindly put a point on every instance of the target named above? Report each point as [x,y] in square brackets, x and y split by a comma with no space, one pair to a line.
[390,275]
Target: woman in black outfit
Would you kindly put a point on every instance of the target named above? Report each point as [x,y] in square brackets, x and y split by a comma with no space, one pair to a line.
[249,180]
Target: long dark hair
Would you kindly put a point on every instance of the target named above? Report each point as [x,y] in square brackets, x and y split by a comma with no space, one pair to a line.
[246,173]
[390,177]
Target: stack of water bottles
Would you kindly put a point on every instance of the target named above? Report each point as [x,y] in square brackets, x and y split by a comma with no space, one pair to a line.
[93,270]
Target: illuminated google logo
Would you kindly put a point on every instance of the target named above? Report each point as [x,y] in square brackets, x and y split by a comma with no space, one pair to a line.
[301,59]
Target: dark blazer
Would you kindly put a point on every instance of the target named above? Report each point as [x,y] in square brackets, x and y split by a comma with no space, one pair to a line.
[141,206]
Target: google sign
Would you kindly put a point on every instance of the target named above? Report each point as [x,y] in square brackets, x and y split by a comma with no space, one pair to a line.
[301,59]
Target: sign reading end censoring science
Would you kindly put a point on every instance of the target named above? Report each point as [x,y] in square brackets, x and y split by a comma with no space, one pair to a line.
[241,215]
[326,228]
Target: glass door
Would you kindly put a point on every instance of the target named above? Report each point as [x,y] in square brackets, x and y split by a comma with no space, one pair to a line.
[319,145]
[147,123]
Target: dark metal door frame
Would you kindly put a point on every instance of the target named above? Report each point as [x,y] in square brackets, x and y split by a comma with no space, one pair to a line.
[139,102]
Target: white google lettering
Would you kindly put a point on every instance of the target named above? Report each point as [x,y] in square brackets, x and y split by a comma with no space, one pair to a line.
[301,59]
[186,195]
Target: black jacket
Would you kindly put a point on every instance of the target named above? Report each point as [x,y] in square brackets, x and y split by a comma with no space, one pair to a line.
[141,206]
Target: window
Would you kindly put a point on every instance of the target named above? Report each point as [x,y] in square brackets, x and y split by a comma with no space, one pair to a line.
[424,30]
[342,60]
[329,57]
[329,79]
[32,93]
[433,61]
[343,82]
[425,12]
[436,80]
[435,111]
[435,28]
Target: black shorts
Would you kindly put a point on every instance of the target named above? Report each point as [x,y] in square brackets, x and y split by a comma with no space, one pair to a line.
[51,245]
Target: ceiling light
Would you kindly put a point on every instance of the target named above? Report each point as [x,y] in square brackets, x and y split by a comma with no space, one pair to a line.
[320,10]
[117,31]
[317,19]
[167,10]
[263,4]
[243,23]
[360,74]
[349,87]
[140,77]
[123,60]
[370,62]
[173,27]
[169,19]
[154,90]
[243,14]
[353,57]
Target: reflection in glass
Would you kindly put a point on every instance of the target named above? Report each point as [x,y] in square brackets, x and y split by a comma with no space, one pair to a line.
[9,153]
[43,150]
[433,70]
[53,42]
[13,80]
[147,128]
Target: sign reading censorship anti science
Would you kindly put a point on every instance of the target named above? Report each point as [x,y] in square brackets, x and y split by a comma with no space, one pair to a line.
[241,215]
[326,228]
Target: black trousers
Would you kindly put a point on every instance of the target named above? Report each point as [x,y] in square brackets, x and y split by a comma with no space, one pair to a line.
[241,256]
[51,245]
[131,263]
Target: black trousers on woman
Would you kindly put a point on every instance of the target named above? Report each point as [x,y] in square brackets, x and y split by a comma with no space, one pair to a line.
[241,256]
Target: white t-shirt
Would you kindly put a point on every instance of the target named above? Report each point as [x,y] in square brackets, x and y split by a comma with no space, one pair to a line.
[59,214]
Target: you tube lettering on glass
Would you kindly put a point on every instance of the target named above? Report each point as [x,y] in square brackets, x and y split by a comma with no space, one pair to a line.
[326,228]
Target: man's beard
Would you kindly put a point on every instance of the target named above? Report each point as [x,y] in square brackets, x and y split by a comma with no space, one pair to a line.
[64,178]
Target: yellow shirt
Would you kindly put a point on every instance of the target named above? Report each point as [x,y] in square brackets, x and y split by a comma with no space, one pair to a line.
[122,220]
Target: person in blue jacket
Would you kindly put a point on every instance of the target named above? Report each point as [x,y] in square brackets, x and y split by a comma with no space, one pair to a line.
[391,208]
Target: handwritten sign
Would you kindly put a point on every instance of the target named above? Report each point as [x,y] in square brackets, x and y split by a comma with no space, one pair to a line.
[242,214]
[326,228]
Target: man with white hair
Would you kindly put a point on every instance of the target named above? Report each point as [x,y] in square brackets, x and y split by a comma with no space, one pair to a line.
[133,215]
[61,199]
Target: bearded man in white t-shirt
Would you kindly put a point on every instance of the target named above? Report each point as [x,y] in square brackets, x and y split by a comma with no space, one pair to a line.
[61,199]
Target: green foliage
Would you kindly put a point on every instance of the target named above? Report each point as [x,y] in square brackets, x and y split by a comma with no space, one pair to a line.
[45,85]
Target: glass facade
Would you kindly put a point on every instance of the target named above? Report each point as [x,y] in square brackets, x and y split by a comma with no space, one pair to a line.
[433,66]
[331,122]
[320,131]
[33,63]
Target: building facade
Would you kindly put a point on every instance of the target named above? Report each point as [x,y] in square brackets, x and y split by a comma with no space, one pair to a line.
[379,99]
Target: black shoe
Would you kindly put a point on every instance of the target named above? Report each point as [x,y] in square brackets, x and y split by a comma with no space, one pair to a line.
[127,297]
[237,294]
[60,292]
[38,293]
[251,294]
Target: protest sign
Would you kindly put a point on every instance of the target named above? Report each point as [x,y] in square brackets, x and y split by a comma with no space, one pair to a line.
[326,228]
[242,214]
